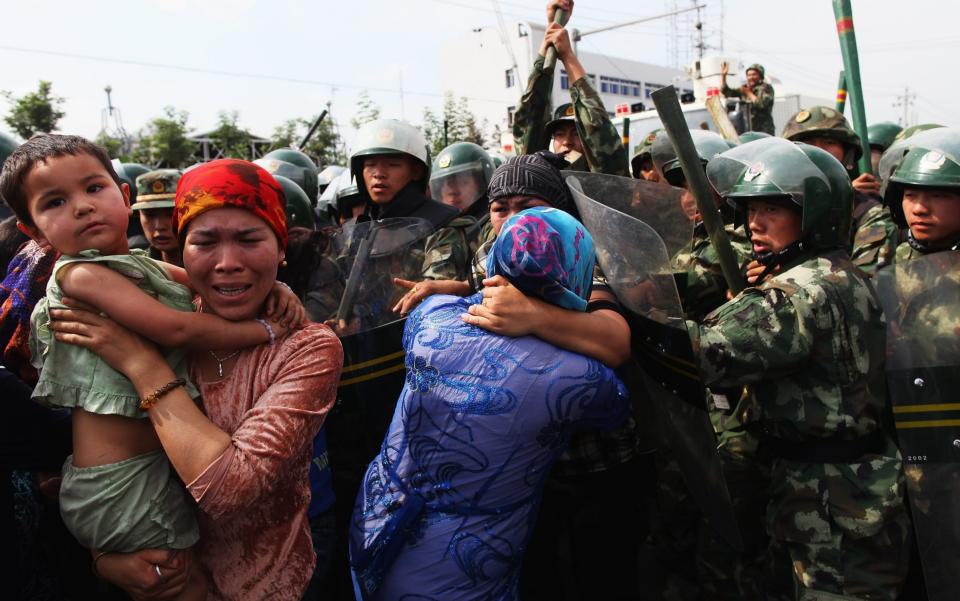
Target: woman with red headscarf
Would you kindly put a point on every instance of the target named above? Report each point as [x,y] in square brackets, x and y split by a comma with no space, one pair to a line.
[245,451]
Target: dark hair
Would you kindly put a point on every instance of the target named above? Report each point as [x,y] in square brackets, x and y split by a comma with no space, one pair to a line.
[11,239]
[38,149]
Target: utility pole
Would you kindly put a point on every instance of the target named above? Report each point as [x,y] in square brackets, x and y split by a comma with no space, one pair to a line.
[699,26]
[906,102]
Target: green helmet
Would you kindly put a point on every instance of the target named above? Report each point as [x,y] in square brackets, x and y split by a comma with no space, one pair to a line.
[707,143]
[825,122]
[129,172]
[809,177]
[305,178]
[933,160]
[389,137]
[347,197]
[893,156]
[643,151]
[498,159]
[292,155]
[156,189]
[750,136]
[7,145]
[758,68]
[455,162]
[883,134]
[298,209]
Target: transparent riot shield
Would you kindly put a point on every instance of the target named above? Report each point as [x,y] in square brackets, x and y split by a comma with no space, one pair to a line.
[921,300]
[658,205]
[636,263]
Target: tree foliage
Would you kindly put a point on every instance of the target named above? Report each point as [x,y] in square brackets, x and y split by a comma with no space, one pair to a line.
[35,112]
[233,141]
[163,143]
[324,146]
[461,125]
[367,111]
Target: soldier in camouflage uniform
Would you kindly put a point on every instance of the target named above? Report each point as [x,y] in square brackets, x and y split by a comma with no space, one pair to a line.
[581,130]
[702,287]
[459,178]
[642,164]
[154,210]
[808,345]
[756,92]
[392,166]
[881,136]
[924,194]
[874,235]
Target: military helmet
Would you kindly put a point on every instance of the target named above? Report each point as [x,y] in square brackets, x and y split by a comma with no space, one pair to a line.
[303,177]
[809,177]
[297,207]
[642,151]
[883,134]
[129,172]
[459,159]
[758,68]
[893,156]
[498,159]
[389,137]
[825,122]
[564,113]
[933,161]
[348,197]
[7,145]
[749,136]
[327,175]
[292,155]
[156,189]
[708,144]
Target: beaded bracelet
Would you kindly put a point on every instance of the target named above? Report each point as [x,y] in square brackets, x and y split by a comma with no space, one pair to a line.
[269,329]
[151,399]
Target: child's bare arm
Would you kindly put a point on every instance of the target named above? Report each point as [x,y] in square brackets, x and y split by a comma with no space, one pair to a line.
[129,306]
[177,274]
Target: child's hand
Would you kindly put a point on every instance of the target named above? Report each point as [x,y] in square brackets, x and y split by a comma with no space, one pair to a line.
[284,307]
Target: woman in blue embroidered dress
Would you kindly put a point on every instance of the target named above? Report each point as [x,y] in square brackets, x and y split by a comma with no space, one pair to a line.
[447,506]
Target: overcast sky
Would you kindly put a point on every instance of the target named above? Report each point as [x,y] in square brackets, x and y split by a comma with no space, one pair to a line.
[277,59]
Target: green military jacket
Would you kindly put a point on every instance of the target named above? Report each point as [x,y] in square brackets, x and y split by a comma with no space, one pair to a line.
[603,149]
[875,236]
[446,252]
[808,344]
[761,111]
[700,280]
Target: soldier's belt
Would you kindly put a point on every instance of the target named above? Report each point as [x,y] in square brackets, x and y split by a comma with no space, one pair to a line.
[824,450]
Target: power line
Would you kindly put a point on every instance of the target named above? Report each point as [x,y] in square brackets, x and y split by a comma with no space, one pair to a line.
[223,73]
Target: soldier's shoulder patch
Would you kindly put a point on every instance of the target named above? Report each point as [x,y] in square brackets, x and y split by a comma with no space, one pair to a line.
[802,116]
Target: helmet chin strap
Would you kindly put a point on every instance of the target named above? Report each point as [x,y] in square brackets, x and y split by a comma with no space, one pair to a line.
[771,260]
[926,248]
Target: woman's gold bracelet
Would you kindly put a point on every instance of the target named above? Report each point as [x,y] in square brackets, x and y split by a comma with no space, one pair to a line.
[151,399]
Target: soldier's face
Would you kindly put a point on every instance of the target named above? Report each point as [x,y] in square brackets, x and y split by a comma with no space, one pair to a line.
[385,175]
[773,225]
[875,154]
[505,208]
[459,190]
[158,229]
[834,147]
[565,138]
[933,214]
[648,171]
[753,77]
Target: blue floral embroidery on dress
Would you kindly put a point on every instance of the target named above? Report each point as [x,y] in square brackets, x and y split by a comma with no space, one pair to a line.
[420,376]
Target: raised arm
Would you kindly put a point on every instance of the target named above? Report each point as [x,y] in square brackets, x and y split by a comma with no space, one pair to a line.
[116,296]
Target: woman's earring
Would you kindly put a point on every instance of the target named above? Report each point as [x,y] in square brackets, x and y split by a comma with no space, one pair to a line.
[283,263]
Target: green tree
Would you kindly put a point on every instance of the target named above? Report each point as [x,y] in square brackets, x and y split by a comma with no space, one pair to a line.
[229,138]
[324,146]
[164,143]
[367,111]
[461,125]
[36,112]
[113,146]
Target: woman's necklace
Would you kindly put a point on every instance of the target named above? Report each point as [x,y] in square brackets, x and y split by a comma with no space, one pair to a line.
[221,360]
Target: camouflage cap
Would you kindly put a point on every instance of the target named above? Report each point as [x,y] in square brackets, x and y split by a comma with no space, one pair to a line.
[156,189]
[564,114]
[758,68]
[643,151]
[823,121]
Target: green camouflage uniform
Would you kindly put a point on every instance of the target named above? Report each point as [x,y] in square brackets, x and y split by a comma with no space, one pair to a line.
[703,287]
[761,111]
[809,345]
[447,251]
[875,236]
[603,149]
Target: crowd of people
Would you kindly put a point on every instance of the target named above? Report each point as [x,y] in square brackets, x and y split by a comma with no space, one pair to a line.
[173,346]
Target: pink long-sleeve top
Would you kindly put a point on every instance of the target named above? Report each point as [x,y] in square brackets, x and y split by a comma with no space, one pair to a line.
[254,532]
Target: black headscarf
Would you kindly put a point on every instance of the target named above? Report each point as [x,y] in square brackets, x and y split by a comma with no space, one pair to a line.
[536,175]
